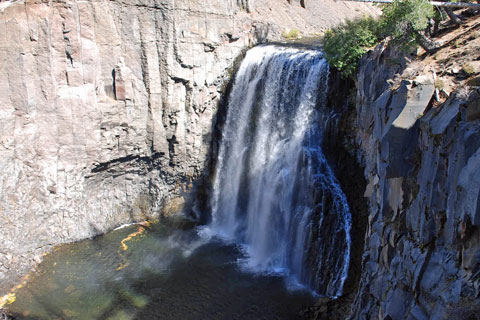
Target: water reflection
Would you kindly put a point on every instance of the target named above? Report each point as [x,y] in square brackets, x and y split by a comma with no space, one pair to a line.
[162,271]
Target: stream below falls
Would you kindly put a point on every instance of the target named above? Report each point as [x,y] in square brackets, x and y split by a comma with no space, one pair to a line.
[164,271]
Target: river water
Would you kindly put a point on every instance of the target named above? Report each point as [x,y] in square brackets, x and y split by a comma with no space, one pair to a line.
[165,271]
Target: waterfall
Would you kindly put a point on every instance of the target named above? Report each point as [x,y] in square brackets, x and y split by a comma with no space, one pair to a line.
[274,192]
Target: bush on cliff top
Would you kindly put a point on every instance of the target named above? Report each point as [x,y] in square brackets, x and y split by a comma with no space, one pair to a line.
[403,22]
[347,43]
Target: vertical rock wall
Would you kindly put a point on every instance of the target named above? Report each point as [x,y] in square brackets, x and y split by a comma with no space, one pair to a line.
[106,109]
[422,253]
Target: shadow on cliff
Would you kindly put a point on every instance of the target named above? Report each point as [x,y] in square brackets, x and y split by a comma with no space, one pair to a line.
[198,200]
[348,172]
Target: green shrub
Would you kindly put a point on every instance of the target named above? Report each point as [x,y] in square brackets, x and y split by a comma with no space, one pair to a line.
[402,22]
[292,34]
[347,43]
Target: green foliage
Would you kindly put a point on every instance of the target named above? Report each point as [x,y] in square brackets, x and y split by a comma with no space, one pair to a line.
[292,34]
[347,43]
[401,22]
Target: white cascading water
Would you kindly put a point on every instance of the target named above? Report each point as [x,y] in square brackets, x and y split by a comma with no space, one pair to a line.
[274,192]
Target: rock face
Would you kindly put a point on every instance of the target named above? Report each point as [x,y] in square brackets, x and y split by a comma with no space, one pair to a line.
[422,164]
[106,107]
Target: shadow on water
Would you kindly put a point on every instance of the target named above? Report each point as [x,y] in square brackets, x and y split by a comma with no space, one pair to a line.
[160,272]
[214,288]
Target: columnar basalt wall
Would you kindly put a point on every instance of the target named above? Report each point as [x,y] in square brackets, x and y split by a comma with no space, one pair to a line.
[106,107]
[422,164]
[106,110]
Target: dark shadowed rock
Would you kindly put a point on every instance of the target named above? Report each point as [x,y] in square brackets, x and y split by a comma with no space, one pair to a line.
[421,258]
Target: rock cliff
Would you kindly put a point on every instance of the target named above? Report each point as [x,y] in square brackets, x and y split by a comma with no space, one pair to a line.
[422,164]
[106,107]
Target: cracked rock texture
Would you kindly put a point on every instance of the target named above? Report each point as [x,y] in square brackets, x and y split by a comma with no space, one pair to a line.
[106,107]
[422,164]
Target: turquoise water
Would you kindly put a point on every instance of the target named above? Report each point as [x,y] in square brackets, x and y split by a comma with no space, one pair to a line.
[163,271]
